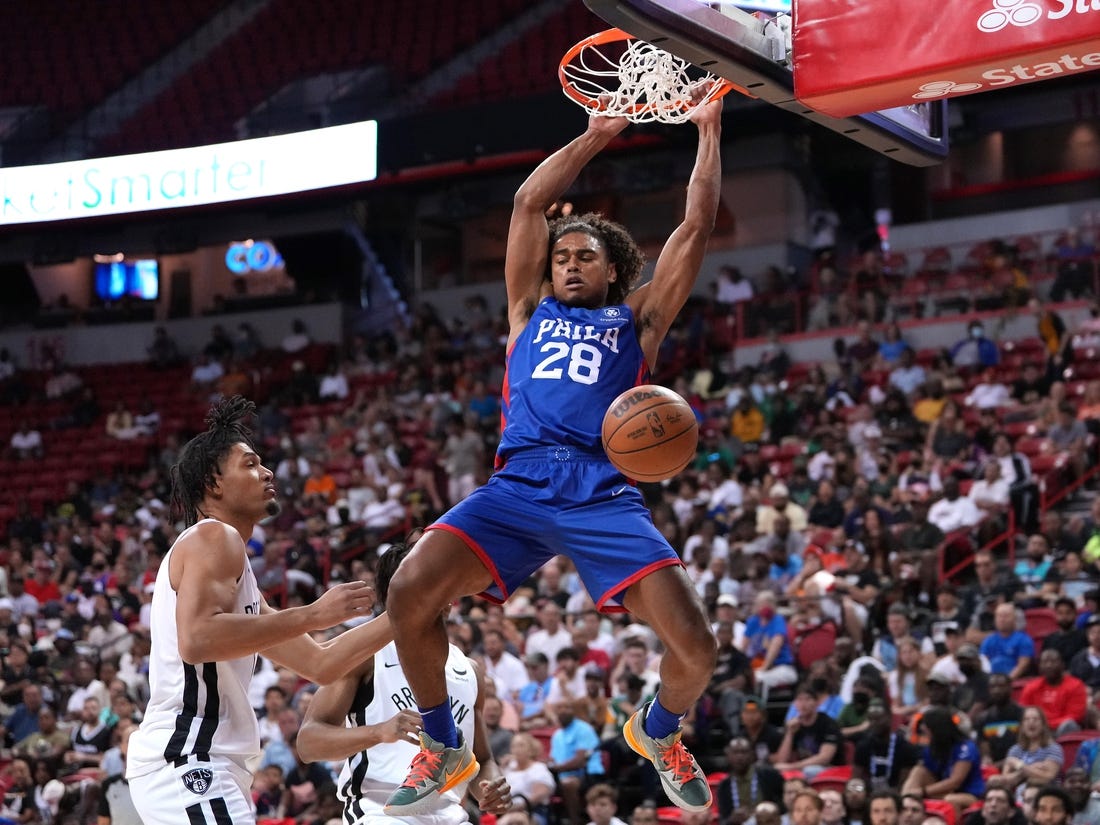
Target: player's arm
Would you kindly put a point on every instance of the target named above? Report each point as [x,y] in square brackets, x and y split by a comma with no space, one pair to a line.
[528,233]
[206,570]
[324,736]
[489,788]
[322,662]
[657,303]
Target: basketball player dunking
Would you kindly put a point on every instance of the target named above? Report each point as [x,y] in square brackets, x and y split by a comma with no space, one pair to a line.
[193,757]
[369,719]
[578,337]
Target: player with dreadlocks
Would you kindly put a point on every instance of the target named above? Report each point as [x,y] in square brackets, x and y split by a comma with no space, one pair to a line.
[193,757]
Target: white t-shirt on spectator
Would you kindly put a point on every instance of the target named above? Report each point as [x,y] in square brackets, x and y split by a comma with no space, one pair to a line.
[548,644]
[953,515]
[509,674]
[720,548]
[29,440]
[996,492]
[987,396]
[334,386]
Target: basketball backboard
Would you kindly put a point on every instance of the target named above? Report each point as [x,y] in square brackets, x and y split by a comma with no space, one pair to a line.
[738,46]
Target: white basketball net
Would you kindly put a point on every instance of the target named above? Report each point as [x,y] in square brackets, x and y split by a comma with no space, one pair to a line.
[644,85]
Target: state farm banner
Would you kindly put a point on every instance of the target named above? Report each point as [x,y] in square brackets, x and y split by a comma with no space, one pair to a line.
[856,56]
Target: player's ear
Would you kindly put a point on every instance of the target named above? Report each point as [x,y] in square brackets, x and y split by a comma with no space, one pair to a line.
[612,273]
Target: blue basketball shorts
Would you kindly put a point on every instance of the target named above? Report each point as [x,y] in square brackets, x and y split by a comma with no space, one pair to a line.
[550,501]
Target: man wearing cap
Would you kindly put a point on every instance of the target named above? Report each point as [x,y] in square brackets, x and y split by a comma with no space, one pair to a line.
[968,671]
[780,504]
[752,723]
[748,783]
[1086,664]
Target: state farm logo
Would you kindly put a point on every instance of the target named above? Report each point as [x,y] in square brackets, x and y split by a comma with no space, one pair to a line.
[1022,13]
[1009,12]
[943,88]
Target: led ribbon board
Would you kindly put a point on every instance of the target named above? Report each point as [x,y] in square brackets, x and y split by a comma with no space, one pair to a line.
[196,176]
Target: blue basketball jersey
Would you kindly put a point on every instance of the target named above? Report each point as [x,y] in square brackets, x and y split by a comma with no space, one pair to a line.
[563,372]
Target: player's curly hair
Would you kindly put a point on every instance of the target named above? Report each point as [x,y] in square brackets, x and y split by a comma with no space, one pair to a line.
[621,249]
[388,563]
[201,458]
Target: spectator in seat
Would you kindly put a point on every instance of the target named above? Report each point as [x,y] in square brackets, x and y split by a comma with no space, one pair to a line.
[1062,697]
[950,766]
[1035,758]
[1086,664]
[163,350]
[774,360]
[766,644]
[1086,805]
[950,440]
[747,422]
[574,758]
[1056,338]
[1031,386]
[1023,492]
[953,511]
[748,783]
[732,286]
[998,726]
[205,374]
[891,347]
[975,351]
[1008,650]
[334,384]
[26,442]
[1053,806]
[1074,274]
[297,339]
[907,375]
[811,740]
[120,423]
[865,349]
[1032,571]
[898,629]
[62,383]
[1068,639]
[883,757]
[1069,436]
[989,393]
[780,505]
[528,775]
[998,808]
[992,497]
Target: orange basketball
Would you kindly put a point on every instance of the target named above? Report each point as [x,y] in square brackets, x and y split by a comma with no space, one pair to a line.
[650,433]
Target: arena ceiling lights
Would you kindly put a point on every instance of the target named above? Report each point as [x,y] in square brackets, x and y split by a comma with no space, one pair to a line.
[197,176]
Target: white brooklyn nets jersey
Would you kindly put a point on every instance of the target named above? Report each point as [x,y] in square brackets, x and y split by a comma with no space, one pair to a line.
[195,711]
[368,777]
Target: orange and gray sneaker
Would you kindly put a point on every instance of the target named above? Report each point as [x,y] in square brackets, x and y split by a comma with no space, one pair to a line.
[683,780]
[434,770]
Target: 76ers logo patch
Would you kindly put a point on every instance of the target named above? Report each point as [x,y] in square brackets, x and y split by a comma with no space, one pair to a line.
[198,780]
